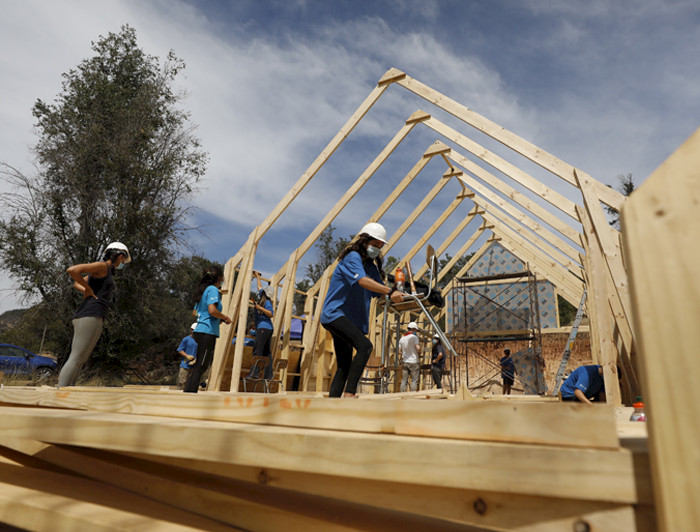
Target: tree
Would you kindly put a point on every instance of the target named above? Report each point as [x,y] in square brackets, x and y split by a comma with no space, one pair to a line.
[328,248]
[626,187]
[458,265]
[117,160]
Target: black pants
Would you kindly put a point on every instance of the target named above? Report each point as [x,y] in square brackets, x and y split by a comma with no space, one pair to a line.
[262,349]
[346,337]
[437,375]
[205,354]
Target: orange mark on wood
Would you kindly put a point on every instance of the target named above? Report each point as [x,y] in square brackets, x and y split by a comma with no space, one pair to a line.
[227,401]
[285,403]
[303,403]
[249,401]
[266,402]
[62,395]
[239,400]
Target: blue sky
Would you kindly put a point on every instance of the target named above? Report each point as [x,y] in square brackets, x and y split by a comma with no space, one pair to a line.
[612,87]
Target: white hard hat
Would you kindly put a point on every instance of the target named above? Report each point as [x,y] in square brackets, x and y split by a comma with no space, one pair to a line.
[269,291]
[436,335]
[413,325]
[375,230]
[193,326]
[118,246]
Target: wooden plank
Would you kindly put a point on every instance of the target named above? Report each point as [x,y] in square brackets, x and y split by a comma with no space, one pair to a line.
[35,499]
[451,238]
[500,511]
[545,424]
[567,472]
[608,239]
[353,190]
[508,191]
[246,504]
[603,317]
[557,200]
[494,217]
[660,236]
[535,154]
[430,232]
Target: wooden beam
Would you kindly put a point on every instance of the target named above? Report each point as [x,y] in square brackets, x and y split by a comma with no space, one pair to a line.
[515,196]
[531,423]
[562,203]
[353,190]
[660,237]
[36,499]
[567,472]
[538,156]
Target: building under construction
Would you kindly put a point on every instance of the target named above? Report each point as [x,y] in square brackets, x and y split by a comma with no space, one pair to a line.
[451,459]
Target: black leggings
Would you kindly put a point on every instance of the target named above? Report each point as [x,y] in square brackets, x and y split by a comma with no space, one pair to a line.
[261,348]
[347,336]
[205,354]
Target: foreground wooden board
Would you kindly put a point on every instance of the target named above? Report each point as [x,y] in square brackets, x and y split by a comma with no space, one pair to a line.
[248,505]
[505,511]
[565,472]
[567,424]
[35,499]
[661,223]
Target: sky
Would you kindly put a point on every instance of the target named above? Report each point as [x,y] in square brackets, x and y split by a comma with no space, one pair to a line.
[611,87]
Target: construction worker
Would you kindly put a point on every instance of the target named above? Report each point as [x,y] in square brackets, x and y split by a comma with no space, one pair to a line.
[96,281]
[438,361]
[507,371]
[263,326]
[188,352]
[409,350]
[208,309]
[357,278]
[584,383]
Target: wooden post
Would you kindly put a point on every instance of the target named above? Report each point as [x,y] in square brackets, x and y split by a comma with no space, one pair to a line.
[603,319]
[660,224]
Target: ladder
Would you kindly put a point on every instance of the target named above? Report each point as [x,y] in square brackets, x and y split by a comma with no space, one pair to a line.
[569,344]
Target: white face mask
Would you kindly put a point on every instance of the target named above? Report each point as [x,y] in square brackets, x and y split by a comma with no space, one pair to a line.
[372,252]
[121,266]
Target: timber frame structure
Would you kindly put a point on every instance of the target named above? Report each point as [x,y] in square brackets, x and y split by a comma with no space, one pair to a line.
[152,458]
[509,217]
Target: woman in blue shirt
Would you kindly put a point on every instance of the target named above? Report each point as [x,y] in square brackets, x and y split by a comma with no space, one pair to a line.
[263,326]
[208,309]
[357,278]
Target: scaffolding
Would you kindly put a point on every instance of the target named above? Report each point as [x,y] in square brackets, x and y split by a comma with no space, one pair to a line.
[503,310]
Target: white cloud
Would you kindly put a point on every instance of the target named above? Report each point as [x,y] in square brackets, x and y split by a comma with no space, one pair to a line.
[266,106]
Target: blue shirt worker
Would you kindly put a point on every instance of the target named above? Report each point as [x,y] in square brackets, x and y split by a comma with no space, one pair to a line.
[584,384]
[345,315]
[208,309]
[263,327]
[188,352]
[507,371]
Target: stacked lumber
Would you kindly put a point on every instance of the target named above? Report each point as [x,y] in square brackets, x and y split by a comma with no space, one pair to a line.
[116,459]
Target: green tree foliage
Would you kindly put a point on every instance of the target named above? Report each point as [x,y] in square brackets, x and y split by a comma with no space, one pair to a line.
[328,248]
[567,312]
[117,160]
[458,265]
[625,187]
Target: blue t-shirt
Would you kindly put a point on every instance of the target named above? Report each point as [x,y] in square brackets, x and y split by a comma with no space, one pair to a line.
[586,379]
[189,346]
[347,298]
[206,323]
[261,320]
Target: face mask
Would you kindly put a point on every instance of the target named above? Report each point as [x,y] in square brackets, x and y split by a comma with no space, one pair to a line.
[372,252]
[121,266]
[434,341]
